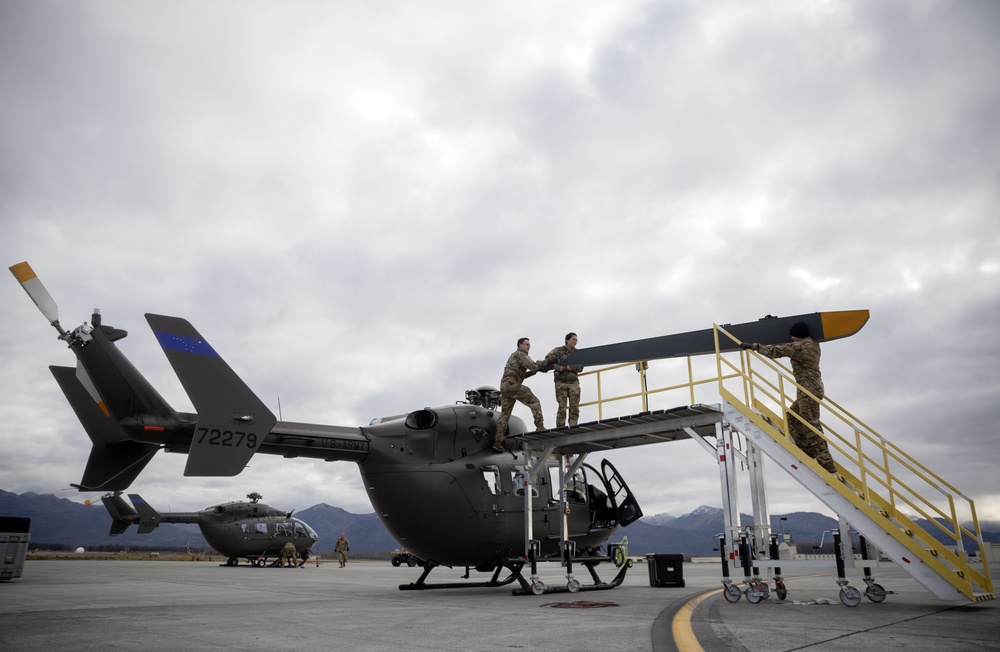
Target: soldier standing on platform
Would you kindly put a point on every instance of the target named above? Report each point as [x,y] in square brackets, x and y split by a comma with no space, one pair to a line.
[567,383]
[519,367]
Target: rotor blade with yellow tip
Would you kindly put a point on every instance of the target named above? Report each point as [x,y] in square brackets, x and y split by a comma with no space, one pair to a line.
[33,286]
[823,326]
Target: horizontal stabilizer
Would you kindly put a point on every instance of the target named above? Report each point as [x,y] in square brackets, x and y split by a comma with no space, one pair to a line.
[232,421]
[115,459]
[823,326]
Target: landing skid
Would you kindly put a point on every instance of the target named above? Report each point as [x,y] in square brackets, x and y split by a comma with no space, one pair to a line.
[532,586]
[421,585]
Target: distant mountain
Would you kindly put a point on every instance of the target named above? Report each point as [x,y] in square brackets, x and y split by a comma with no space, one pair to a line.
[57,520]
[365,531]
[60,521]
[658,519]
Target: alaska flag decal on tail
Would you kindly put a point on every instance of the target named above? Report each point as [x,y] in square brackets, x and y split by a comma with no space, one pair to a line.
[185,344]
[232,421]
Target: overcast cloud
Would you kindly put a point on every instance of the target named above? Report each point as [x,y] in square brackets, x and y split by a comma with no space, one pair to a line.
[362,205]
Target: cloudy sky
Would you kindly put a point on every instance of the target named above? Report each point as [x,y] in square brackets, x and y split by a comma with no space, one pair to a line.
[362,205]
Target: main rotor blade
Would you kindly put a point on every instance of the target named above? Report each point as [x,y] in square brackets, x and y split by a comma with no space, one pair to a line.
[823,326]
[33,286]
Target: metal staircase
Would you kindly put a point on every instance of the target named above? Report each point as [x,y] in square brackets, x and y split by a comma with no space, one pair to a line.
[880,491]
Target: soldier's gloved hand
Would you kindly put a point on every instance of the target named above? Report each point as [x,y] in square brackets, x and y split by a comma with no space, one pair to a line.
[746,345]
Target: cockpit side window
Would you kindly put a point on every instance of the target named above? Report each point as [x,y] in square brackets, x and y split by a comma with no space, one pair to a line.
[260,528]
[491,475]
[576,488]
[517,481]
[554,483]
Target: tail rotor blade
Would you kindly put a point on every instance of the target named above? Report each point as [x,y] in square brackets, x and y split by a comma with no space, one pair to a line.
[33,286]
[88,384]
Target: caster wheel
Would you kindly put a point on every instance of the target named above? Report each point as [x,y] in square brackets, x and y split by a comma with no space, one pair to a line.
[875,593]
[780,591]
[850,596]
[732,594]
[538,587]
[573,585]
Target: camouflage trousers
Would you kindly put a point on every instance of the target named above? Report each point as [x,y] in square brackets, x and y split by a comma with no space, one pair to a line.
[568,400]
[509,395]
[811,443]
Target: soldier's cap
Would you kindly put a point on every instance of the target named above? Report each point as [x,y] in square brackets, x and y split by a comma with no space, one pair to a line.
[799,329]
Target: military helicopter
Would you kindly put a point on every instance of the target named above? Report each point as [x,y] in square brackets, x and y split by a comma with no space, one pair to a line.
[430,474]
[251,530]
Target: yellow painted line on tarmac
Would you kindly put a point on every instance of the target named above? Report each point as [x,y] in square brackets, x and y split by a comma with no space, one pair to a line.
[684,636]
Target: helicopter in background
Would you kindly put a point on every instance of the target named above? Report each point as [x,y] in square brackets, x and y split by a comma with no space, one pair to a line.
[430,474]
[251,530]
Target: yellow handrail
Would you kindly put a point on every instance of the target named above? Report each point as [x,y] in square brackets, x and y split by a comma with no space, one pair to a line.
[875,463]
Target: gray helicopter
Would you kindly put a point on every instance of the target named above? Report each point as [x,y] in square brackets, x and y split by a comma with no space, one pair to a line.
[250,530]
[431,474]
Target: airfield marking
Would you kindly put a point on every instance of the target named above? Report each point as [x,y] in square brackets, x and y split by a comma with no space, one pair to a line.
[684,637]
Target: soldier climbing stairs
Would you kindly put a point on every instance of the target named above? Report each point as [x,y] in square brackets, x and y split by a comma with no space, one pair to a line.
[880,491]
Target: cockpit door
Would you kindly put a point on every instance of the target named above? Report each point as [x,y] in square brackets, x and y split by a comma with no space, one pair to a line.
[626,506]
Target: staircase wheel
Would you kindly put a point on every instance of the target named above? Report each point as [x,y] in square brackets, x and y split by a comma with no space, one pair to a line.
[875,592]
[732,594]
[850,596]
[780,591]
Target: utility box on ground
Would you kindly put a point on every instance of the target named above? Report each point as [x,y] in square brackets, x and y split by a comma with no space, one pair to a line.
[666,569]
[13,545]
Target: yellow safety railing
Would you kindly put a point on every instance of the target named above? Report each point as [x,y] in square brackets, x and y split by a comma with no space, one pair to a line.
[683,391]
[872,466]
[877,471]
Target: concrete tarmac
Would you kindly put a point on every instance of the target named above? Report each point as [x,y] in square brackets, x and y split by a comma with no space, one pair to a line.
[162,605]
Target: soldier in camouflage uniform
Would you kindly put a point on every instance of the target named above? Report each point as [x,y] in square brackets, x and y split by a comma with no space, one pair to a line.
[567,383]
[519,367]
[341,547]
[287,555]
[804,353]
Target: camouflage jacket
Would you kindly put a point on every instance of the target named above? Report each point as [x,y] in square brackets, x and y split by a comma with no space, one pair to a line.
[519,366]
[568,375]
[805,361]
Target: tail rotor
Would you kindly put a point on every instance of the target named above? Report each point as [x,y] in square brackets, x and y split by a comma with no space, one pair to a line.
[33,286]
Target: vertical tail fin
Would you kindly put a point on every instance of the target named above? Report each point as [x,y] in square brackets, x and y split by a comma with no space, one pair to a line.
[115,459]
[122,514]
[232,421]
[149,518]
